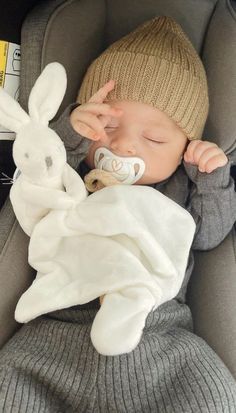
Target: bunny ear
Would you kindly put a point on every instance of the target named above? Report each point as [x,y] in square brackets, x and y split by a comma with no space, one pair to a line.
[12,116]
[47,93]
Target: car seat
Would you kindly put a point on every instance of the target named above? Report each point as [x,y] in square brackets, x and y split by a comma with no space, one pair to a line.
[74,32]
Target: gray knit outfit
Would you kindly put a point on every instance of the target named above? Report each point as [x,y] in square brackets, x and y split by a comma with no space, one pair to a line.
[50,365]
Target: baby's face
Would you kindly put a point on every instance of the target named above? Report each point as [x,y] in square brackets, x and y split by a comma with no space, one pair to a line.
[145,132]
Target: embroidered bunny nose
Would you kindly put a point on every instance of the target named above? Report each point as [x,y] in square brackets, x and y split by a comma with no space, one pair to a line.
[48,161]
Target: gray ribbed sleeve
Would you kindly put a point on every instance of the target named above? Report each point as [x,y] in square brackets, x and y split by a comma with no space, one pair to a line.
[212,203]
[76,145]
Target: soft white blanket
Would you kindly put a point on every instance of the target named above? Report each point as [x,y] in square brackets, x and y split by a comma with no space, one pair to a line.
[130,243]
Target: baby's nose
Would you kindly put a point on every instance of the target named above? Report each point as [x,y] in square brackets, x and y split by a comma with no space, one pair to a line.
[123,146]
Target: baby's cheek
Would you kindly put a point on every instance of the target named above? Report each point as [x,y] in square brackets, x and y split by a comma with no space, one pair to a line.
[90,156]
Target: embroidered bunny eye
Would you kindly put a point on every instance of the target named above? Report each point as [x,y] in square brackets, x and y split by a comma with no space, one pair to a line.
[48,161]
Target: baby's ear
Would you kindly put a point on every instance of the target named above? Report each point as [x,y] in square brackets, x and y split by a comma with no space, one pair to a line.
[47,93]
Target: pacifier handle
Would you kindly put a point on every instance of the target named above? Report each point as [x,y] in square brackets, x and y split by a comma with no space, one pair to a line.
[97,179]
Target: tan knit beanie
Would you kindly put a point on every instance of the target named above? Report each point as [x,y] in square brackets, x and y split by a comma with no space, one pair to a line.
[156,64]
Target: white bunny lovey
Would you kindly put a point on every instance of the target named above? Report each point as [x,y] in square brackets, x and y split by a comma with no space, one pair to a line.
[46,181]
[126,242]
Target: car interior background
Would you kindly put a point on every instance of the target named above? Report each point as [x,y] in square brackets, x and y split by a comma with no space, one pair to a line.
[74,32]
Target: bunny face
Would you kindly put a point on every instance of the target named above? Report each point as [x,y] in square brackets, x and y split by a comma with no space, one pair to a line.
[38,152]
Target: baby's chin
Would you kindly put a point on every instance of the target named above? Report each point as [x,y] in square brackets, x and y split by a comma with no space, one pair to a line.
[147,180]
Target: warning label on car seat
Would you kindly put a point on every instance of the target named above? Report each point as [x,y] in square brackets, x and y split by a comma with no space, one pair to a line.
[9,76]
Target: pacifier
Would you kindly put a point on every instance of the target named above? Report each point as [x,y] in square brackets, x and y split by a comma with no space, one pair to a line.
[127,170]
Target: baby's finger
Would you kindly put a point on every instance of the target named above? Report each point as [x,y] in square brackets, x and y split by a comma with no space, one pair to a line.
[197,148]
[92,122]
[215,162]
[200,149]
[209,153]
[100,109]
[102,93]
[86,131]
[188,155]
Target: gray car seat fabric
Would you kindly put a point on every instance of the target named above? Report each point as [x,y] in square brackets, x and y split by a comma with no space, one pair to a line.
[211,296]
[73,33]
[15,273]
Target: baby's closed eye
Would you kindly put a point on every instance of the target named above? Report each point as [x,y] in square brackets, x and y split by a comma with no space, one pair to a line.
[156,140]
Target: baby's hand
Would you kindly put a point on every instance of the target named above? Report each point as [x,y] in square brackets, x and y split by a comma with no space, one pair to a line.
[206,155]
[90,119]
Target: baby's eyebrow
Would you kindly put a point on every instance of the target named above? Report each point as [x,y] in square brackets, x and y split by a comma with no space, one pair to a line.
[155,128]
[157,124]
